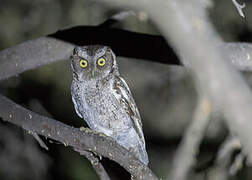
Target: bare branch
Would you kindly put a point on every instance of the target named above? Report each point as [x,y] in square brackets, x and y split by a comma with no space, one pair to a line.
[34,53]
[95,162]
[85,140]
[40,141]
[188,149]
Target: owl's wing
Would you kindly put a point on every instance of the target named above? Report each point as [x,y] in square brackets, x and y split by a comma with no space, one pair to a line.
[123,95]
[76,106]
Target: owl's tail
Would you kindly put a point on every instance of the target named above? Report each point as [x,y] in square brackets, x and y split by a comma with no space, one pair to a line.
[142,153]
[131,141]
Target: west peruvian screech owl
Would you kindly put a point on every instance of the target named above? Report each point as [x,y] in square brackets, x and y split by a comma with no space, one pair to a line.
[103,99]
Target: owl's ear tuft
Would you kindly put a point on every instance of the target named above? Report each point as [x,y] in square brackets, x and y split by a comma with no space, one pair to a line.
[113,57]
[114,68]
[76,50]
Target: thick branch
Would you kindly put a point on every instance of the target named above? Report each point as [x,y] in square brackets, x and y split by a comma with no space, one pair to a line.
[82,140]
[34,53]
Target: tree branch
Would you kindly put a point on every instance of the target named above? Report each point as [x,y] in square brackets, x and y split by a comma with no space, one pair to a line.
[58,46]
[188,149]
[32,54]
[97,165]
[85,140]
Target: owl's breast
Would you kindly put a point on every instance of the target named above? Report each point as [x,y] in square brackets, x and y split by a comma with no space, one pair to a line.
[100,109]
[107,112]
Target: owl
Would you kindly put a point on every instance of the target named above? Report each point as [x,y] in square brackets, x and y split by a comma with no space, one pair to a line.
[103,99]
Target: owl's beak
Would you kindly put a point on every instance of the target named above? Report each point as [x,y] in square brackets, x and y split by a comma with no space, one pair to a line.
[93,74]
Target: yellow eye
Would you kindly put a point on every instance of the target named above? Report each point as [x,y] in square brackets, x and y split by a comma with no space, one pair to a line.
[83,63]
[101,61]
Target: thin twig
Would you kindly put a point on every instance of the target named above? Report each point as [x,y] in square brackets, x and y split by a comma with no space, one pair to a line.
[40,141]
[95,162]
[37,107]
[239,8]
[188,149]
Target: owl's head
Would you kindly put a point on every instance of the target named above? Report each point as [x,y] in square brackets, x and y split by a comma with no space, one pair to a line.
[93,62]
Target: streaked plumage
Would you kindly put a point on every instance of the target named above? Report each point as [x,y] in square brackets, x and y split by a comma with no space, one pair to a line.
[103,99]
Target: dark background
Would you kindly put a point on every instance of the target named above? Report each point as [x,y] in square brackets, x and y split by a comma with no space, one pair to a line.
[165,94]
